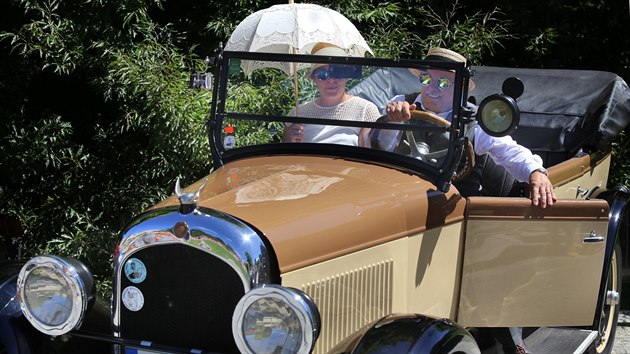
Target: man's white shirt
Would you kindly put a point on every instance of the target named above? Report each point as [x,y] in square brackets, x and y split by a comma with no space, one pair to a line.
[505,151]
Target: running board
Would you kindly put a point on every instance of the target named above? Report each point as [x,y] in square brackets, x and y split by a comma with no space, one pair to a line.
[560,340]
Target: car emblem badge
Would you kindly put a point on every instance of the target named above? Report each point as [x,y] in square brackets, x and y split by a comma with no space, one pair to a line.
[132,298]
[188,201]
[135,270]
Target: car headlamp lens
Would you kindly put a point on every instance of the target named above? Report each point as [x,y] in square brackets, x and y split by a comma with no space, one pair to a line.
[498,115]
[265,331]
[47,296]
[274,319]
[54,293]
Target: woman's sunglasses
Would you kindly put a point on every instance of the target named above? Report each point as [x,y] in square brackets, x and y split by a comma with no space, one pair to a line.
[337,72]
[441,82]
[322,74]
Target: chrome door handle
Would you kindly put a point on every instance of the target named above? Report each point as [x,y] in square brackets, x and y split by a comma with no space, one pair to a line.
[593,238]
[581,192]
[585,193]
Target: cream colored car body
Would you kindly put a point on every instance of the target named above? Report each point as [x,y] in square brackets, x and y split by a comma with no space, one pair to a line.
[365,241]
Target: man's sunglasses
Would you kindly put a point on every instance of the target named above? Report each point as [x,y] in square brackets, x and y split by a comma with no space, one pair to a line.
[337,72]
[441,82]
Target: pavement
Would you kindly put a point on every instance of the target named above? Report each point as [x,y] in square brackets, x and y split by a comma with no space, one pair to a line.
[622,339]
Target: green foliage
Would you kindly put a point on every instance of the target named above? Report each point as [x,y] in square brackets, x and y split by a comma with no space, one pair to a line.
[539,45]
[620,165]
[246,97]
[391,25]
[266,91]
[97,121]
[60,48]
[51,174]
[80,172]
[248,92]
[472,35]
[564,34]
[226,18]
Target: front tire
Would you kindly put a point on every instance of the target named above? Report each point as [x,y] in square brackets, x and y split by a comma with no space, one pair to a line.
[609,313]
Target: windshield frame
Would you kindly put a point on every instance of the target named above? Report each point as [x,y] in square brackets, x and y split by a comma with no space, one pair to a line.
[440,176]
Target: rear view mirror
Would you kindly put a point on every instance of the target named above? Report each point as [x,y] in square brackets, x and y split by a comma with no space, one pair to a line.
[202,79]
[513,87]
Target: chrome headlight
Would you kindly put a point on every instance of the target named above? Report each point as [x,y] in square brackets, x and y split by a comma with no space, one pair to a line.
[54,293]
[275,319]
[498,115]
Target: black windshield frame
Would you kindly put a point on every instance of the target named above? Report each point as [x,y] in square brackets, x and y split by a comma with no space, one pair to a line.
[438,175]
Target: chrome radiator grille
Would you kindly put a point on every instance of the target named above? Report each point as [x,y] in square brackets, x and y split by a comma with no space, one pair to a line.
[189,296]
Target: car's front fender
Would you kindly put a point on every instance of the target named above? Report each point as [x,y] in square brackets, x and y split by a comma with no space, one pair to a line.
[409,334]
[18,336]
[12,337]
[8,277]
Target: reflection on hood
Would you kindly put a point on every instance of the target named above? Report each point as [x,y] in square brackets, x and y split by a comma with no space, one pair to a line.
[284,186]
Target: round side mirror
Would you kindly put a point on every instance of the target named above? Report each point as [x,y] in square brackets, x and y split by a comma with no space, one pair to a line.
[513,87]
[498,115]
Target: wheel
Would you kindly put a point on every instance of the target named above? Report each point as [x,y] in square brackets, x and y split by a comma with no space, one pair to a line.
[610,310]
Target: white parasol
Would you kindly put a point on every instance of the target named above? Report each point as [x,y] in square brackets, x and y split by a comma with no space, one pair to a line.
[293,29]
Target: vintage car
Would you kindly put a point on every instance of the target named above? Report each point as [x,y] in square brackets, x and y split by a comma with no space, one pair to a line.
[299,247]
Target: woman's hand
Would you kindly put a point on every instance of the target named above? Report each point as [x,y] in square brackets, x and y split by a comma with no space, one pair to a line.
[293,133]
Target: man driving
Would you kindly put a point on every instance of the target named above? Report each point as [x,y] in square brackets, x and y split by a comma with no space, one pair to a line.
[436,96]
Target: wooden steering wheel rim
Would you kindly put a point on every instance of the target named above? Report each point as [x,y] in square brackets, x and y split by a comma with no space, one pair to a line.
[429,118]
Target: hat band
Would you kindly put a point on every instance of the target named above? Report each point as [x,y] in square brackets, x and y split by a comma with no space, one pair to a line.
[439,57]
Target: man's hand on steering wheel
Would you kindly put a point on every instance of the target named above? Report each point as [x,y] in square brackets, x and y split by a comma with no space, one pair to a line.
[403,111]
[399,111]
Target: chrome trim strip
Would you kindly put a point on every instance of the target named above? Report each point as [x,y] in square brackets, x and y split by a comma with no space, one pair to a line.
[586,343]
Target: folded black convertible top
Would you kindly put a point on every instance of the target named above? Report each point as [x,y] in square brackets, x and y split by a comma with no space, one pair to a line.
[562,111]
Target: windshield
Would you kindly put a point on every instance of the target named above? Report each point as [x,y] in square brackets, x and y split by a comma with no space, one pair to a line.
[298,104]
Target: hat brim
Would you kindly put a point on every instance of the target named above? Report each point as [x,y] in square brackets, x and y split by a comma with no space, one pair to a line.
[326,49]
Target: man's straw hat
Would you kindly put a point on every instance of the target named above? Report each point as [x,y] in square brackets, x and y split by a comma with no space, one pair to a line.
[445,55]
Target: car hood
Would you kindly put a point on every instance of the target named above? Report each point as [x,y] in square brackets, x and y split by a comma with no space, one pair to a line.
[317,208]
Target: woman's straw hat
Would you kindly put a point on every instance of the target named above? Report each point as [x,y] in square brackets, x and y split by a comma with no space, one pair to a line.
[327,49]
[323,48]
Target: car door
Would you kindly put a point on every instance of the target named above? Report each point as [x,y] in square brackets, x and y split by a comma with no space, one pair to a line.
[527,266]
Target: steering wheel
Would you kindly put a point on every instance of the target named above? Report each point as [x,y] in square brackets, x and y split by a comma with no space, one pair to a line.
[468,159]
